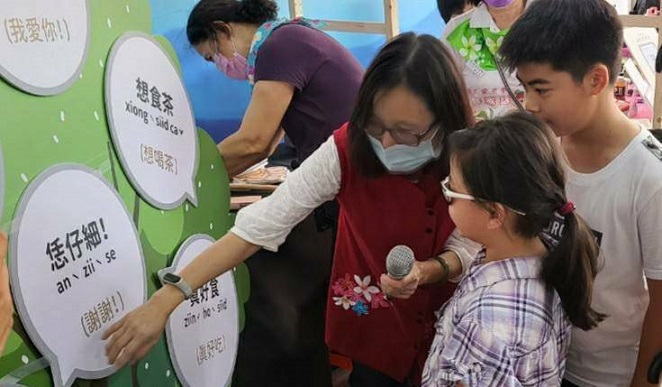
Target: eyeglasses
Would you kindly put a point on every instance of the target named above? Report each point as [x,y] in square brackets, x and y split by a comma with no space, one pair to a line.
[400,136]
[449,195]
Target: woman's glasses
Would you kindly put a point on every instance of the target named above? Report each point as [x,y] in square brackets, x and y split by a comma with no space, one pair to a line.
[400,136]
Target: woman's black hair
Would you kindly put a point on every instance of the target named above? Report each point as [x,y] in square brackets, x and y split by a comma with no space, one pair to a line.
[476,2]
[202,22]
[516,161]
[450,8]
[426,68]
[641,6]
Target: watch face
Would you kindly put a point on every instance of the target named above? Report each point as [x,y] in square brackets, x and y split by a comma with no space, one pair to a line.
[171,278]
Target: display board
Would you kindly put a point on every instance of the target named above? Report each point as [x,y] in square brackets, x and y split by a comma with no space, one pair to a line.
[87,229]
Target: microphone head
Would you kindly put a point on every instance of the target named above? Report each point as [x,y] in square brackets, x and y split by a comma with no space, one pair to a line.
[399,261]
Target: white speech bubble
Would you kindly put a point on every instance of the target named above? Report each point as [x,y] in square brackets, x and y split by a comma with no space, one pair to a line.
[151,121]
[203,332]
[76,267]
[44,43]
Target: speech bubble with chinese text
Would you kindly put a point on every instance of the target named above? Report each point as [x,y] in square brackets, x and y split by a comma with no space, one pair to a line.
[76,267]
[203,331]
[151,121]
[43,43]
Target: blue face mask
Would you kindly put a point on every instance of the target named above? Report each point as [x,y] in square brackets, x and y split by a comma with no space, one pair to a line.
[403,159]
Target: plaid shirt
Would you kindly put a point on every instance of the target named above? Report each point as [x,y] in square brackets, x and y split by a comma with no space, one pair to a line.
[502,327]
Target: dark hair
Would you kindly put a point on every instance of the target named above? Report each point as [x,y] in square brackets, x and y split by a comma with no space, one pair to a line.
[476,2]
[450,8]
[201,22]
[515,160]
[641,6]
[657,133]
[570,35]
[423,65]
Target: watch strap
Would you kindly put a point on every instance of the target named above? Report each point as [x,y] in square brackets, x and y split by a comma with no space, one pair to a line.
[182,285]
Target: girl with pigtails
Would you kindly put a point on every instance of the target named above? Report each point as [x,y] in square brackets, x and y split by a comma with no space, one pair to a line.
[509,321]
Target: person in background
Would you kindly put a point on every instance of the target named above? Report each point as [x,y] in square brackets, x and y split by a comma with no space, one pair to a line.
[6,305]
[475,38]
[614,171]
[304,83]
[384,167]
[646,7]
[508,323]
[448,9]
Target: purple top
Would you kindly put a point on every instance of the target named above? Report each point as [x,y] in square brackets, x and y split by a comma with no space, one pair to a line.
[502,327]
[326,78]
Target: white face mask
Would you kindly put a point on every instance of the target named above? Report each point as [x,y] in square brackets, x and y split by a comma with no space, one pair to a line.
[403,159]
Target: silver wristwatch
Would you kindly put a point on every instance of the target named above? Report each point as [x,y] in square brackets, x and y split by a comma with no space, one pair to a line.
[167,277]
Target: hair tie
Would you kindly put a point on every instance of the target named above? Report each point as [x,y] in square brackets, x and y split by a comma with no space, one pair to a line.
[567,208]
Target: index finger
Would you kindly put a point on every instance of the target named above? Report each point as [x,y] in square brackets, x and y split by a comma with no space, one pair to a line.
[113,328]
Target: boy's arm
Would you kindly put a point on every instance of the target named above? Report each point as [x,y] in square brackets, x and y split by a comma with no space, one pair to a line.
[651,335]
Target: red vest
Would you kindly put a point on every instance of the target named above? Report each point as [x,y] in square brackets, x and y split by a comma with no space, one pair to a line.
[376,214]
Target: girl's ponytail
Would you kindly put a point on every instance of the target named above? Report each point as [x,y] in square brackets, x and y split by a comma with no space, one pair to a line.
[571,265]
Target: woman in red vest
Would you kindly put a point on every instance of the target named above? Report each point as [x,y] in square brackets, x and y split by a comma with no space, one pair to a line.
[384,167]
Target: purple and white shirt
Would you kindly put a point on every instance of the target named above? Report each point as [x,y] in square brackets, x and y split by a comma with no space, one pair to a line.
[502,327]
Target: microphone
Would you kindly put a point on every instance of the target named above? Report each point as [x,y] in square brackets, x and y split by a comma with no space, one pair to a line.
[399,261]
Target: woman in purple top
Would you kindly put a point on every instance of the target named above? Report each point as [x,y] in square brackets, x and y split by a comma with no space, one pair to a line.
[304,84]
[304,81]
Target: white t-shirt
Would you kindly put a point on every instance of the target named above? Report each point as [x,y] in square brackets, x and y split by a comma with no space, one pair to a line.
[487,93]
[622,203]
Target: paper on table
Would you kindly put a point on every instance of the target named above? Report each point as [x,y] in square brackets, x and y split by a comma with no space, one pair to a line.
[264,175]
[255,167]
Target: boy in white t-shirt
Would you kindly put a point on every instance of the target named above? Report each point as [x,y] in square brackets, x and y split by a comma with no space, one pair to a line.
[567,55]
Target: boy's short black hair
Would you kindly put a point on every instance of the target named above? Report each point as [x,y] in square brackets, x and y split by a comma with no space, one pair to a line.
[570,35]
